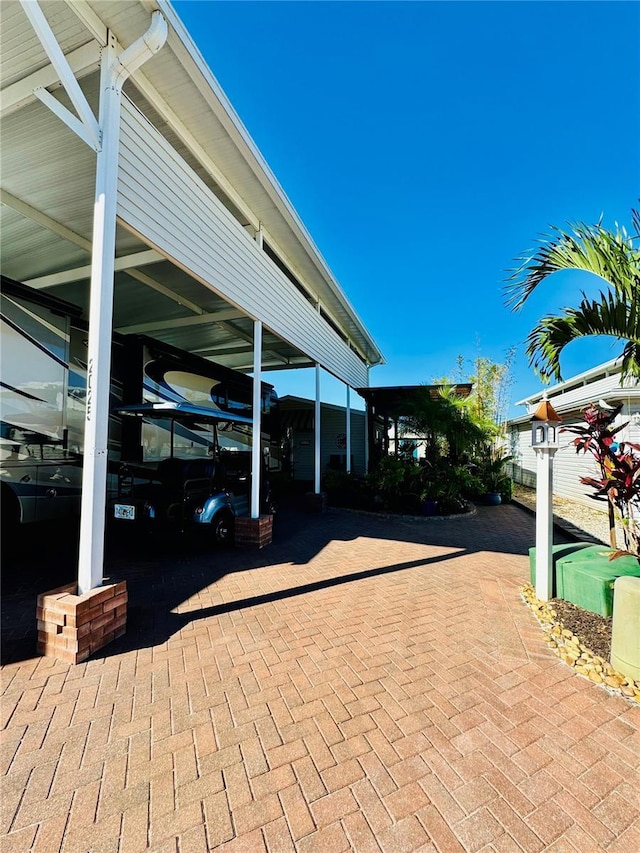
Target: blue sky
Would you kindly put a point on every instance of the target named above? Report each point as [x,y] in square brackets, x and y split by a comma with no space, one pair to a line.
[425,145]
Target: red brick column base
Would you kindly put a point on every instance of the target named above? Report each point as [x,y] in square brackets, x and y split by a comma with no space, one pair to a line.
[315,502]
[253,532]
[71,627]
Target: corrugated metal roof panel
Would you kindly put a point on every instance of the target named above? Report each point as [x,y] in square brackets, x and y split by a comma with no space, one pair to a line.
[46,166]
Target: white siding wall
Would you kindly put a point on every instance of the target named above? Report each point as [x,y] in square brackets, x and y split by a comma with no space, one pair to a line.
[568,466]
[333,423]
[165,202]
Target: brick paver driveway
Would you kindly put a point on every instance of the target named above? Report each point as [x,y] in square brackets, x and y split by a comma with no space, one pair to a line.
[360,685]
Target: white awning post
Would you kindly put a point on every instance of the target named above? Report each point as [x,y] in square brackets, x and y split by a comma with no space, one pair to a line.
[317,433]
[114,71]
[256,443]
[367,427]
[94,474]
[348,430]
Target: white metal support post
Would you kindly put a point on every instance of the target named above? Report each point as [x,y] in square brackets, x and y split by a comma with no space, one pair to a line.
[367,427]
[544,522]
[317,433]
[348,467]
[256,443]
[113,73]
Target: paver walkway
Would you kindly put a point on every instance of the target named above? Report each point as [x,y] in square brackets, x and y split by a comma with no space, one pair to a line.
[360,685]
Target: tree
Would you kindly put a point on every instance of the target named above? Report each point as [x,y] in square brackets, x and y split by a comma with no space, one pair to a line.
[488,404]
[613,256]
[445,426]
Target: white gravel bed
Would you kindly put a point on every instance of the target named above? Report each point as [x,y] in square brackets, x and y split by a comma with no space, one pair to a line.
[572,514]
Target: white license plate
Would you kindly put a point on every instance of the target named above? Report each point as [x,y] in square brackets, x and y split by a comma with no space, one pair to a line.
[125,511]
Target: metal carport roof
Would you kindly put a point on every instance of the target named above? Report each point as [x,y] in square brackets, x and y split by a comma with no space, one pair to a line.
[48,179]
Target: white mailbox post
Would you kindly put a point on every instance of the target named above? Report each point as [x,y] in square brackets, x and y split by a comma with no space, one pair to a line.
[544,440]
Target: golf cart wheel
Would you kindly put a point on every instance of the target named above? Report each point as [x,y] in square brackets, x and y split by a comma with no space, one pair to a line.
[222,526]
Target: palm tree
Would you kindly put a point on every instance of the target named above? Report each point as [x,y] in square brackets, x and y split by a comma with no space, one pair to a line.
[446,425]
[613,256]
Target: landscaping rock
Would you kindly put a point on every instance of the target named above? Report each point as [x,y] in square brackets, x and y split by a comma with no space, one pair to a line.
[572,649]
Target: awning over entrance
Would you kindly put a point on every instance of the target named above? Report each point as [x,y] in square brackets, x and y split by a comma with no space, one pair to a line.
[386,406]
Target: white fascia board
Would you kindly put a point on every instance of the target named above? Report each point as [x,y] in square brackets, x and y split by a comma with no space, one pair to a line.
[184,134]
[254,158]
[613,366]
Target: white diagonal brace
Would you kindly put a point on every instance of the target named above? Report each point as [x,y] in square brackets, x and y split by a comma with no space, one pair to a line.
[66,116]
[82,61]
[59,61]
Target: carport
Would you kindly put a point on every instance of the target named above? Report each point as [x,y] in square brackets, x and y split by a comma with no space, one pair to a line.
[131,189]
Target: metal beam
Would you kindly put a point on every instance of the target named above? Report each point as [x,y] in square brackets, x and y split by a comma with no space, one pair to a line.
[222,350]
[82,61]
[248,338]
[47,222]
[92,22]
[301,361]
[180,322]
[126,262]
[164,290]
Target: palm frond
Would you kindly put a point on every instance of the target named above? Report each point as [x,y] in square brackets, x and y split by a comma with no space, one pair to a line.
[610,255]
[610,315]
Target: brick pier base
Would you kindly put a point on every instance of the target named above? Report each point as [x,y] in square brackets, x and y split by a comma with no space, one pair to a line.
[253,532]
[315,502]
[71,627]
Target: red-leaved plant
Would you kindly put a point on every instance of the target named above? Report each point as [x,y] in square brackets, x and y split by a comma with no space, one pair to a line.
[619,465]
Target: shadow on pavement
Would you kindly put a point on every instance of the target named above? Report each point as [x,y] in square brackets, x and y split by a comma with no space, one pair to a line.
[162,572]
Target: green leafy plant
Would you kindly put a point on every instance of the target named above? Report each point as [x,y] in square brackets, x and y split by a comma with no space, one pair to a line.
[492,473]
[347,490]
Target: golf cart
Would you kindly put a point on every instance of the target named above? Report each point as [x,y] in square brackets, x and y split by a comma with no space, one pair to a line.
[193,483]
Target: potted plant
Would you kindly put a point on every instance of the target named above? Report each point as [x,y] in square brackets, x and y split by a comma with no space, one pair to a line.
[495,479]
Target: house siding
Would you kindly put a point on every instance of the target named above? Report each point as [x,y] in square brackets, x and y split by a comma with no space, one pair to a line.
[332,426]
[569,466]
[161,199]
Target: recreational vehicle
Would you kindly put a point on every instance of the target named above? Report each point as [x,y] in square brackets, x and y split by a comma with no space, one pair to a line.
[180,429]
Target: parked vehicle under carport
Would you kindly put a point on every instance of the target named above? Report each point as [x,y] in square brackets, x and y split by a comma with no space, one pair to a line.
[182,493]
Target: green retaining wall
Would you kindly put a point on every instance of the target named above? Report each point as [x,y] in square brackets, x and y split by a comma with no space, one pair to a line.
[584,575]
